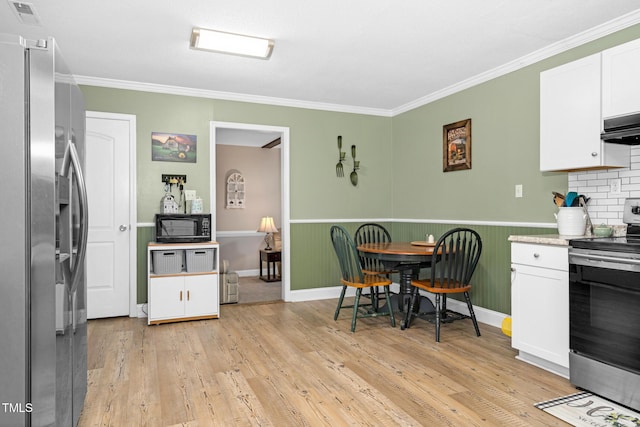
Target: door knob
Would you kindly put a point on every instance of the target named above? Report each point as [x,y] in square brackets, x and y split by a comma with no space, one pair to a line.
[123,227]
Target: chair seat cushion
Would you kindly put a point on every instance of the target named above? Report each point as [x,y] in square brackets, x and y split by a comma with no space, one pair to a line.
[369,281]
[438,287]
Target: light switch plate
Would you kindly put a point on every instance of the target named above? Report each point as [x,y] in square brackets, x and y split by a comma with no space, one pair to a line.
[519,190]
[190,194]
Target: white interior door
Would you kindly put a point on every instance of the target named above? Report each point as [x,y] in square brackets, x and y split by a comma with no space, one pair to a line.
[109,250]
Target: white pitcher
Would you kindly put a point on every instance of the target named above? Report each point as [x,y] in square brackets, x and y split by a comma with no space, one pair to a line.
[571,221]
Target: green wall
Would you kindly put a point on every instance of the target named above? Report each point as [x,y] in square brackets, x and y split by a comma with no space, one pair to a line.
[505,152]
[401,168]
[315,190]
[505,115]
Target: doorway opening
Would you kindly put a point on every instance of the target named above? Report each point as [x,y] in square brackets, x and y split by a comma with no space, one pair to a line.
[247,153]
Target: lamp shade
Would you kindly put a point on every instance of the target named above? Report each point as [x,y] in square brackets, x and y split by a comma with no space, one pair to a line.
[267,225]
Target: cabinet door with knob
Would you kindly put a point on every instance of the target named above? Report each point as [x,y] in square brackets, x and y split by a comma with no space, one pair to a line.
[540,305]
[167,294]
[571,119]
[200,296]
[620,71]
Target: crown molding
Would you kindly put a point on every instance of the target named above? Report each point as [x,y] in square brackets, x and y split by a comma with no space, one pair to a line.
[537,56]
[228,96]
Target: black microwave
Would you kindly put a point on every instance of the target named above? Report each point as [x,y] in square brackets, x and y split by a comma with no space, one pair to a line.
[182,228]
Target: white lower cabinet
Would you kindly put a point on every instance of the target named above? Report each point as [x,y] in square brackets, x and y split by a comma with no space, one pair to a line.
[182,295]
[540,305]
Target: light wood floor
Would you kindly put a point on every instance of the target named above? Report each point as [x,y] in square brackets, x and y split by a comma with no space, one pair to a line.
[290,364]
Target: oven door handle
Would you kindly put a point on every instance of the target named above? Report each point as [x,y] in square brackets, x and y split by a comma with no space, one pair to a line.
[593,257]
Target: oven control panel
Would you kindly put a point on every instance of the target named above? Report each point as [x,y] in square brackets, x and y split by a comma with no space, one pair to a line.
[631,214]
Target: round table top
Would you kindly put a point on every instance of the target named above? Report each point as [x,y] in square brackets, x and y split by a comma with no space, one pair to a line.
[396,248]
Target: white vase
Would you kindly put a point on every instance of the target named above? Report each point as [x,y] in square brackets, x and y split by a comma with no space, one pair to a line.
[571,221]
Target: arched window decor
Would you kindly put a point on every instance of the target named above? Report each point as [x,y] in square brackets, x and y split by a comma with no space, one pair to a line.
[235,191]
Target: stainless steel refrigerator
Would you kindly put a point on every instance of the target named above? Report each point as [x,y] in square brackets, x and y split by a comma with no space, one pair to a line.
[43,230]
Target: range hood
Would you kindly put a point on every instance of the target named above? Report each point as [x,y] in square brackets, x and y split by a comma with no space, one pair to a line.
[622,130]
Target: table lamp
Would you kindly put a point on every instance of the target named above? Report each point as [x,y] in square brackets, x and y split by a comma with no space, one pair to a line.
[267,226]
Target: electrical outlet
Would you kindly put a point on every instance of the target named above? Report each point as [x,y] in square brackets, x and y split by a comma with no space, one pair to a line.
[518,190]
[189,194]
[616,185]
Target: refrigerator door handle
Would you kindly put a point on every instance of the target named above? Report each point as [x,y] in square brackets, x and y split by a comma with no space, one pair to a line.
[71,161]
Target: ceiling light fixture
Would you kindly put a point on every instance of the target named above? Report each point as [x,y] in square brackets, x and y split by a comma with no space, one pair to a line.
[235,44]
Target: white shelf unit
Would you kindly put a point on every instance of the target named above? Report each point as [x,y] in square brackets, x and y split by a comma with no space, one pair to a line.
[181,295]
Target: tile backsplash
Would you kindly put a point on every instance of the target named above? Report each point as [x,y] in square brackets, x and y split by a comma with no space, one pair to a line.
[604,205]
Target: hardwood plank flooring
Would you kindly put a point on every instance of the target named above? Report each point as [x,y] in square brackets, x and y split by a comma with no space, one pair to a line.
[290,364]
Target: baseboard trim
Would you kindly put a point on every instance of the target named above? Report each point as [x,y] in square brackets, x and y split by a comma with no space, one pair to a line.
[483,315]
[248,273]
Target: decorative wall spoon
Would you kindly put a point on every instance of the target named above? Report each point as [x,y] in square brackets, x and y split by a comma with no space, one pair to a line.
[339,169]
[354,174]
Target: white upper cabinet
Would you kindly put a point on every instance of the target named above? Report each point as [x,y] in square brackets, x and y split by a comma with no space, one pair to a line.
[621,80]
[571,119]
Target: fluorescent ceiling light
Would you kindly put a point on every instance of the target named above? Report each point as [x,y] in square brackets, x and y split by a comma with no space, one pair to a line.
[236,44]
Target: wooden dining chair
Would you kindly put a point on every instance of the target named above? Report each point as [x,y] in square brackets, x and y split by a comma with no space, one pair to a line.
[352,276]
[456,255]
[373,233]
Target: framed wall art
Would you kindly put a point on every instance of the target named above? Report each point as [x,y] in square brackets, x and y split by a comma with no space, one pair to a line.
[173,147]
[456,149]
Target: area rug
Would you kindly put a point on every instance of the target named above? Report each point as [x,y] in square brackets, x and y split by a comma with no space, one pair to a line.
[586,409]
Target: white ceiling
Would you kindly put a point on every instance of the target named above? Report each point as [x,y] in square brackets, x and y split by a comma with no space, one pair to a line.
[372,56]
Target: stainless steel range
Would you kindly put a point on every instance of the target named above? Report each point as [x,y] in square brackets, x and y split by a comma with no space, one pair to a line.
[604,312]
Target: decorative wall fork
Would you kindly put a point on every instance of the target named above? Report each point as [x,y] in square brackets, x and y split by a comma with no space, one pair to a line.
[339,168]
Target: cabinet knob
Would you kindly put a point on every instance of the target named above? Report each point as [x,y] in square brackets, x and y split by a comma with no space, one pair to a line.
[594,154]
[536,255]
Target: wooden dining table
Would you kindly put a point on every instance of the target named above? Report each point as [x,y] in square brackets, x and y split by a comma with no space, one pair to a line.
[408,258]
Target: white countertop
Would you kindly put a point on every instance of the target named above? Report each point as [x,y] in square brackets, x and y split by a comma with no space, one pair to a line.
[544,239]
[558,239]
